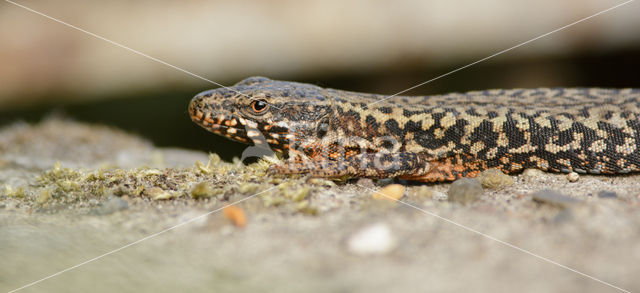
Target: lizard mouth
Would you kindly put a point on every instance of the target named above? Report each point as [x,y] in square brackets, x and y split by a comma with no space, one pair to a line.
[228,126]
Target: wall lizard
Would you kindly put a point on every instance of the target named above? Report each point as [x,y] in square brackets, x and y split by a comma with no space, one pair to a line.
[335,133]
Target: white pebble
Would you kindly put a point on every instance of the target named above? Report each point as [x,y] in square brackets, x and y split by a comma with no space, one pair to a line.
[573,177]
[373,239]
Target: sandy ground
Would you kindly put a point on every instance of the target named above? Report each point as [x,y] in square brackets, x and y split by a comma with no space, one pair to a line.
[71,193]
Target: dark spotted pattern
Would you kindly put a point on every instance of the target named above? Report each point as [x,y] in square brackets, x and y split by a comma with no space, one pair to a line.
[334,133]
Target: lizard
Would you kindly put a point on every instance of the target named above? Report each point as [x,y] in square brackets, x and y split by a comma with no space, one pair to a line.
[336,134]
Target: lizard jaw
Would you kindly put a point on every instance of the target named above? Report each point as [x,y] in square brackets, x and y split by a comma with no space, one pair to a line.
[228,126]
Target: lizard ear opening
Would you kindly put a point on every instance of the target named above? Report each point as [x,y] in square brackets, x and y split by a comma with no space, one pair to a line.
[323,128]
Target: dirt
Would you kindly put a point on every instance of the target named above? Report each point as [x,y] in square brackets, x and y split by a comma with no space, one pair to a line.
[87,207]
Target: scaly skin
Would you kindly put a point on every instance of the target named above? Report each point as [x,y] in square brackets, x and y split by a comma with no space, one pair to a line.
[334,133]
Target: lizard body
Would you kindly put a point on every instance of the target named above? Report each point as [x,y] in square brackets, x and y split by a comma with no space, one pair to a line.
[335,133]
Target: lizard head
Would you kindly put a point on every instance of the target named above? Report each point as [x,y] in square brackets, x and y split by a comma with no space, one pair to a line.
[258,110]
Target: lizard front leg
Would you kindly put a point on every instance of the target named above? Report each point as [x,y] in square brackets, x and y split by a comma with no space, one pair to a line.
[370,165]
[408,166]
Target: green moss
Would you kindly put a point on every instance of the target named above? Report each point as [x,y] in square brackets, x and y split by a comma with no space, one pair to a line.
[249,188]
[205,190]
[297,193]
[15,192]
[217,180]
[43,196]
[272,200]
[306,208]
[58,174]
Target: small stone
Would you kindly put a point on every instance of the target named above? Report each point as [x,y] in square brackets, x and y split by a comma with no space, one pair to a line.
[494,179]
[392,192]
[554,198]
[437,195]
[465,190]
[573,177]
[371,240]
[532,173]
[607,194]
[167,195]
[236,215]
[111,205]
[158,193]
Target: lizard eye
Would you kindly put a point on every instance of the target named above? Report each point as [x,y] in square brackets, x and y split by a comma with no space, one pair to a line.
[259,106]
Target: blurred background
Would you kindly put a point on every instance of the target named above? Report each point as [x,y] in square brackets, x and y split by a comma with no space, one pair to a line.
[372,46]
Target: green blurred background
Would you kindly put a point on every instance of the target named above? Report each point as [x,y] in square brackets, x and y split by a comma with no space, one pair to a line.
[372,46]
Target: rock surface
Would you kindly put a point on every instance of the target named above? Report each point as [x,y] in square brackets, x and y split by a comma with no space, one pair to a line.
[465,190]
[299,234]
